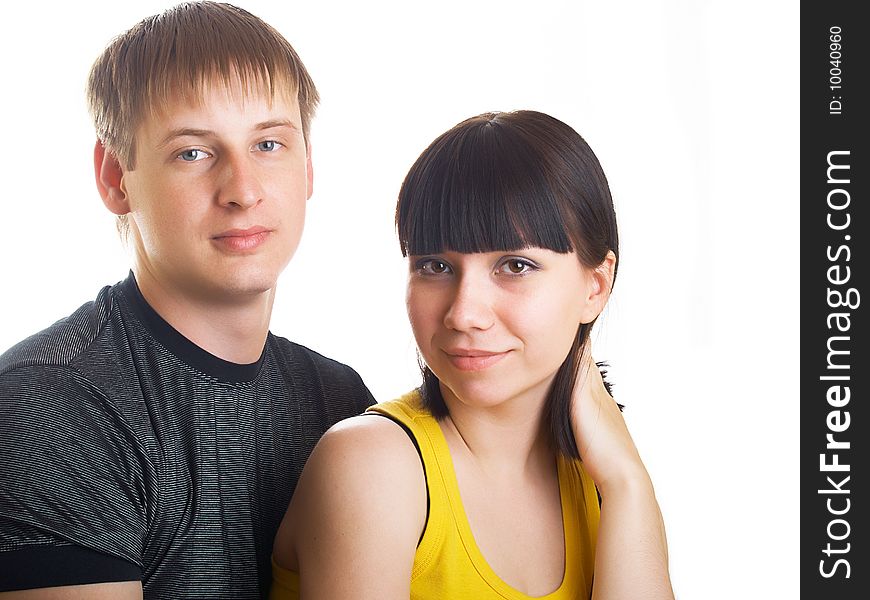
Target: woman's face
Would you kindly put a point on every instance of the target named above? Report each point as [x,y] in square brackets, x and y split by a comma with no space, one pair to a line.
[494,327]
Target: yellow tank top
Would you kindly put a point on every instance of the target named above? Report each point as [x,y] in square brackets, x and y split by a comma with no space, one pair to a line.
[448,564]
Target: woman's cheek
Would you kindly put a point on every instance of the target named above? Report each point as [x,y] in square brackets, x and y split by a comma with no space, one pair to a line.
[423,316]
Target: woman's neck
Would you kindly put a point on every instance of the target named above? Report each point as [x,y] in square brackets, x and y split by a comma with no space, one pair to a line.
[502,441]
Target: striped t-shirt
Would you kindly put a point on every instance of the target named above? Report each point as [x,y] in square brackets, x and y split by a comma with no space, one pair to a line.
[127,452]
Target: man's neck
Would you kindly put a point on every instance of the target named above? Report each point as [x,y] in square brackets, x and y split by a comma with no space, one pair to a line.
[232,330]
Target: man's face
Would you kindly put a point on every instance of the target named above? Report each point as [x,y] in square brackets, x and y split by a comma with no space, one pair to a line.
[217,197]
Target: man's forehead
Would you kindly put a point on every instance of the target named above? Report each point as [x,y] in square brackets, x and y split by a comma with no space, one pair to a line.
[215,94]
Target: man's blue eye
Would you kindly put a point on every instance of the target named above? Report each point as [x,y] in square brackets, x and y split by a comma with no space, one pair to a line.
[268,146]
[192,155]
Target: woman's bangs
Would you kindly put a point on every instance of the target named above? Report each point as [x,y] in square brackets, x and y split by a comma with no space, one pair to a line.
[479,193]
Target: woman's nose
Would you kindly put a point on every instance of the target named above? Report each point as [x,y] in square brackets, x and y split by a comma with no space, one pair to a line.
[471,306]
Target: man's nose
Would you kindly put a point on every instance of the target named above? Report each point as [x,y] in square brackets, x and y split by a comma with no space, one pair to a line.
[240,182]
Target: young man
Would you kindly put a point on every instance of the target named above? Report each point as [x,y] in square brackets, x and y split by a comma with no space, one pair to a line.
[151,441]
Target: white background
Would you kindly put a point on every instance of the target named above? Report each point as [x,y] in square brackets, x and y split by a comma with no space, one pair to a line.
[692,108]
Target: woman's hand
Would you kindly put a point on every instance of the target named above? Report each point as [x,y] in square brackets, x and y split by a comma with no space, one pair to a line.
[606,448]
[631,554]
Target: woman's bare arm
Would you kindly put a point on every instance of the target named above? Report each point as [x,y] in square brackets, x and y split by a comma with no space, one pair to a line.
[352,527]
[631,557]
[122,590]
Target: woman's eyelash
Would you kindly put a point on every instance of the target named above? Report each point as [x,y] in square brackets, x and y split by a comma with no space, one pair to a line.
[524,265]
[432,266]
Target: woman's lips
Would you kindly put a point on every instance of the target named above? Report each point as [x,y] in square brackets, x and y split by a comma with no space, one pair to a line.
[241,240]
[473,360]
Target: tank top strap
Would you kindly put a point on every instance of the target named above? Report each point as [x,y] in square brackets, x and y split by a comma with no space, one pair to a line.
[409,412]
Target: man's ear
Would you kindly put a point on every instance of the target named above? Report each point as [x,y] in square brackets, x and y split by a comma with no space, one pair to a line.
[309,171]
[108,173]
[600,284]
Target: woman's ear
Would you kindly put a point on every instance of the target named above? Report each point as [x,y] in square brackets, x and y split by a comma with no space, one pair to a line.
[598,292]
[109,175]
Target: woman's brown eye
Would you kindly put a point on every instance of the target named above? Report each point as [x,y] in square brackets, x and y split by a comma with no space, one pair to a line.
[436,267]
[516,266]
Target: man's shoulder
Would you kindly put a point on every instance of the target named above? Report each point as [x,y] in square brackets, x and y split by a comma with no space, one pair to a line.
[334,378]
[306,358]
[68,448]
[63,342]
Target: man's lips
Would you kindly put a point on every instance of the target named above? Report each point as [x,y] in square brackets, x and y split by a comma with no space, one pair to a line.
[472,359]
[242,240]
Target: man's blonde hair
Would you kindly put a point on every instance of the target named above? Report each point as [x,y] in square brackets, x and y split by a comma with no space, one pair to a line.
[176,54]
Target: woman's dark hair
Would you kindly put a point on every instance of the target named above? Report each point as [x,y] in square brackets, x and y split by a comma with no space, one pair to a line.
[504,181]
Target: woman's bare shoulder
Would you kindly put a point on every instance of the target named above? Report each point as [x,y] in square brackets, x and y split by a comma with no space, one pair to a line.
[372,441]
[364,476]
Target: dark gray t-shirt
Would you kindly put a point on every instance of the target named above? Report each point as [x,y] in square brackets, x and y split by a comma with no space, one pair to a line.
[127,452]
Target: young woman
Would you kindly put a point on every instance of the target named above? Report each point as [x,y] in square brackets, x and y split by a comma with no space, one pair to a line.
[509,473]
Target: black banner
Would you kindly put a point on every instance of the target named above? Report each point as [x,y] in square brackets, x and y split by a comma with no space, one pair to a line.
[834,370]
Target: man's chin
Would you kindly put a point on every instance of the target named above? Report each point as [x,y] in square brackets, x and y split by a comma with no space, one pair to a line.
[249,290]
[241,288]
